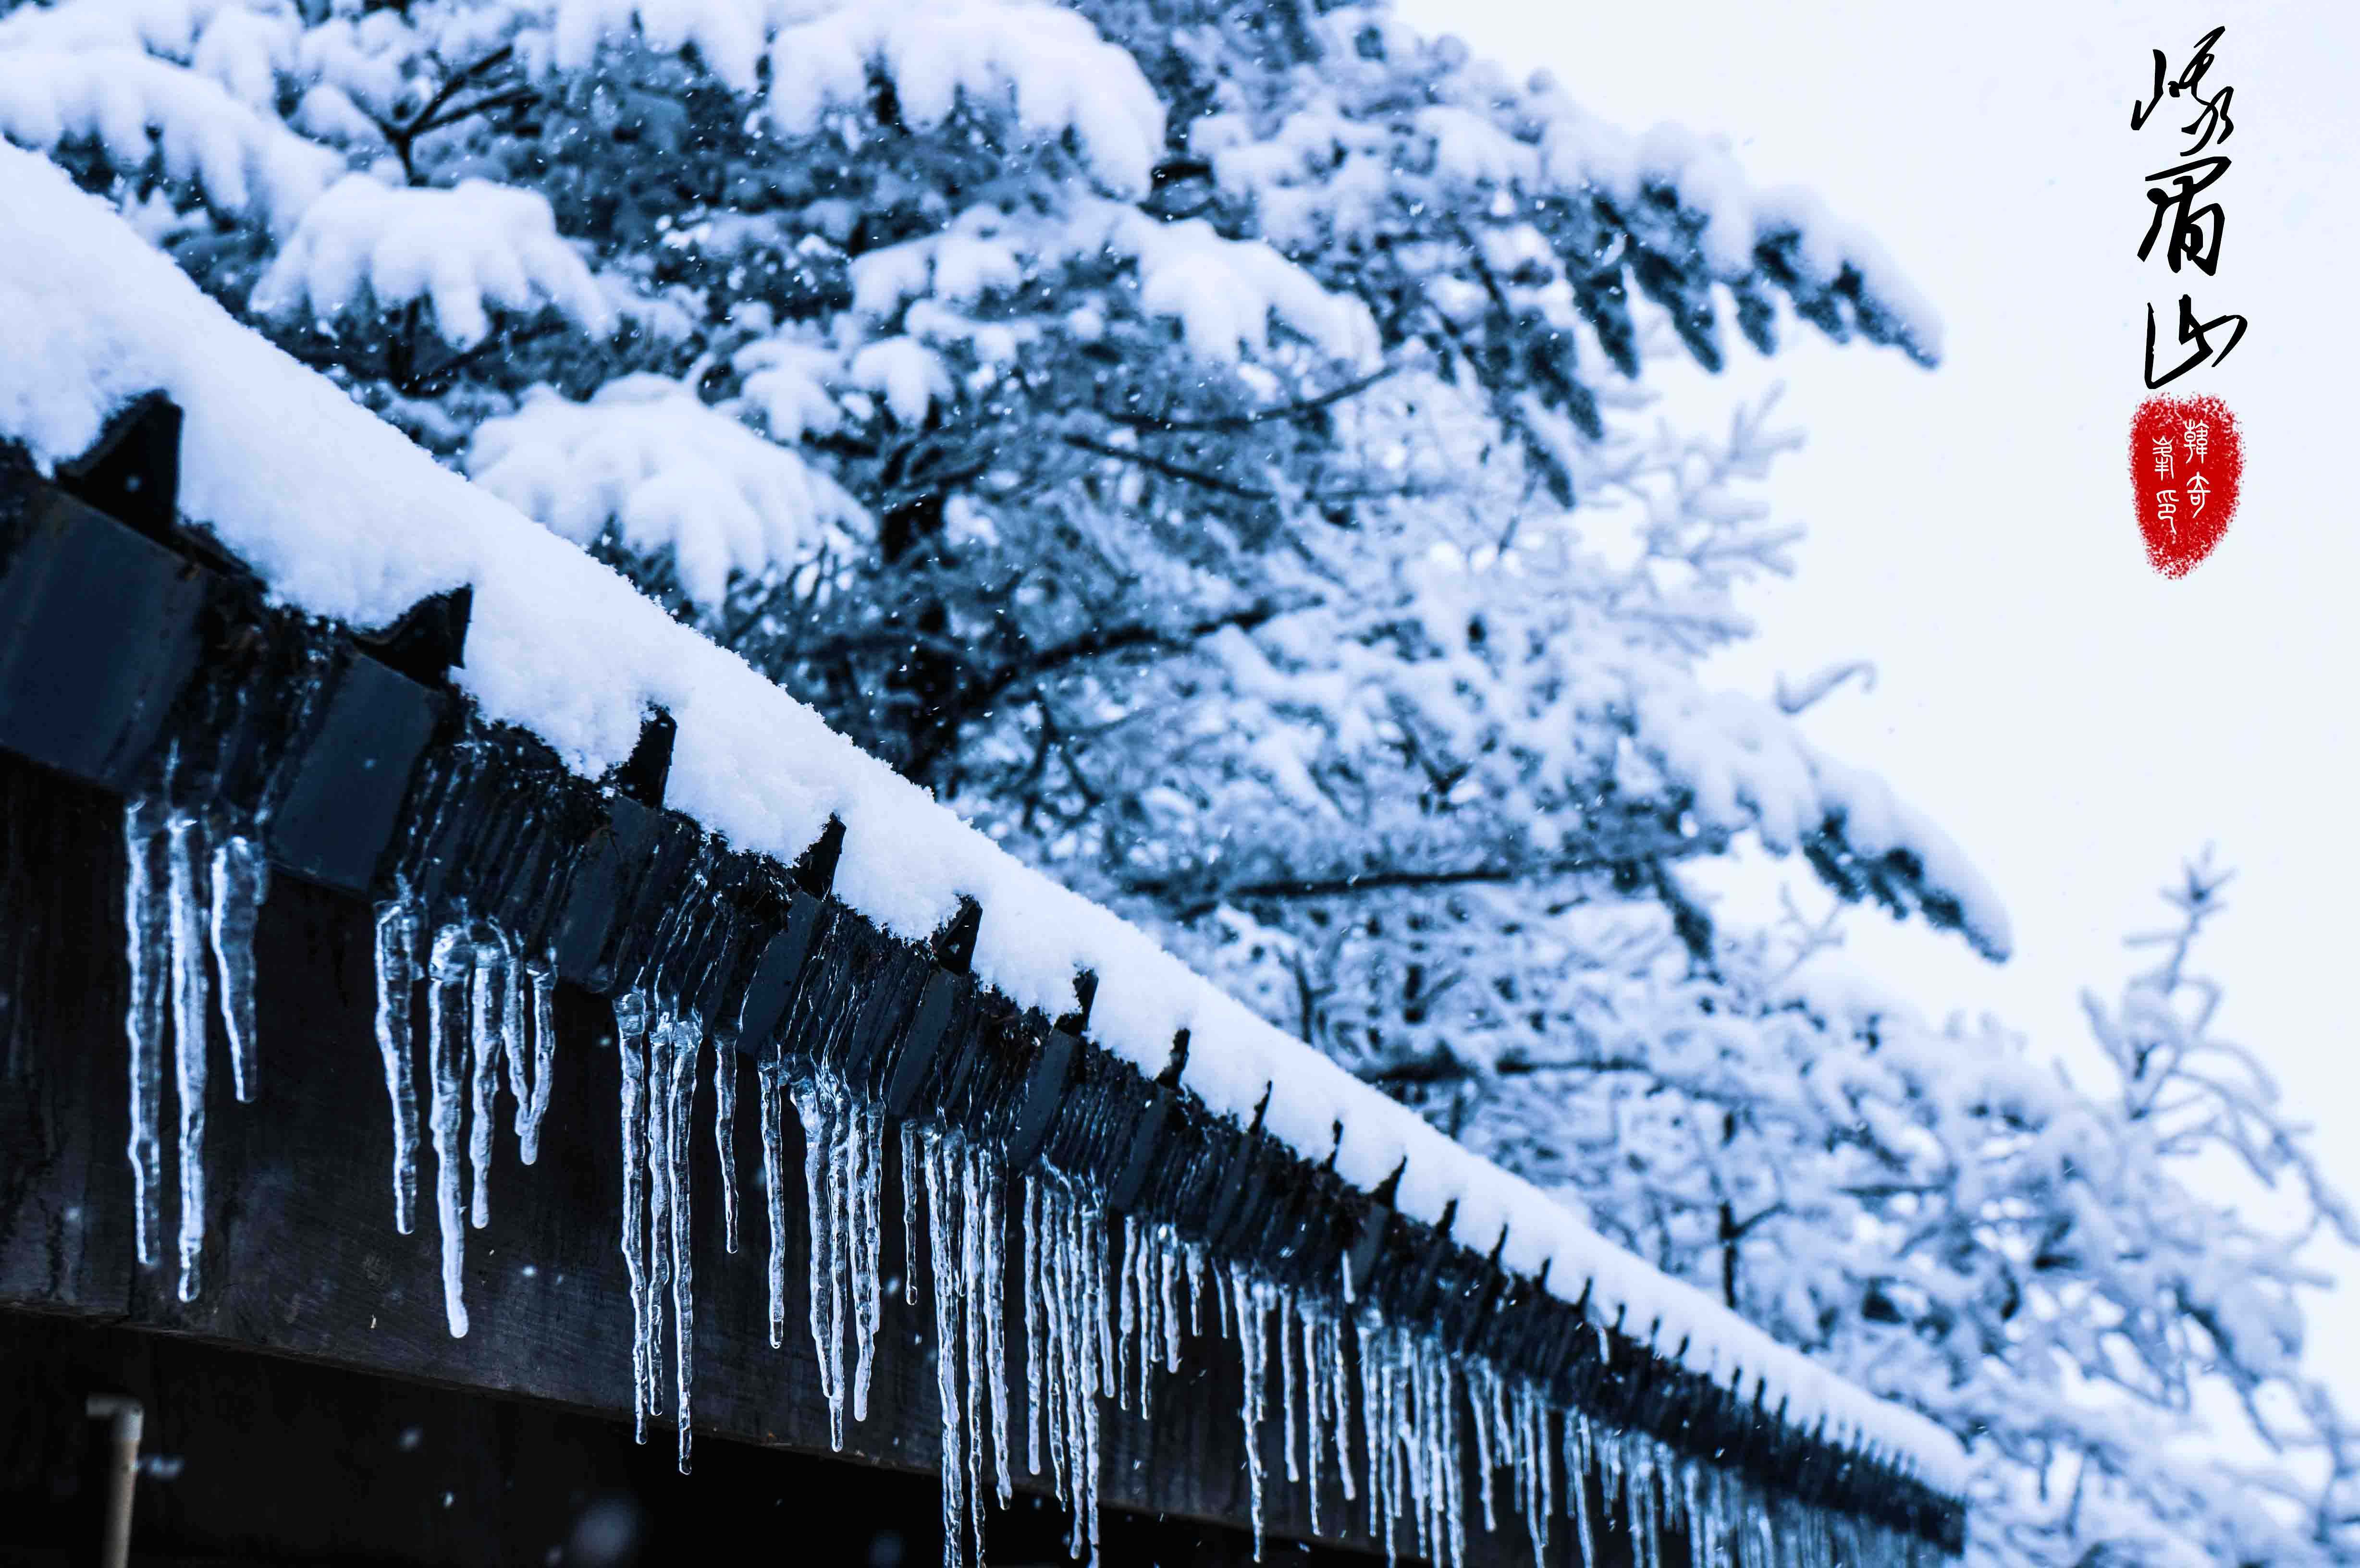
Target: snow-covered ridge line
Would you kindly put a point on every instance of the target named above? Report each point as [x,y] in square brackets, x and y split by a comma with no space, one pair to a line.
[345,518]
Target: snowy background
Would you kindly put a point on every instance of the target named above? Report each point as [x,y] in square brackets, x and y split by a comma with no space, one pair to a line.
[2076,721]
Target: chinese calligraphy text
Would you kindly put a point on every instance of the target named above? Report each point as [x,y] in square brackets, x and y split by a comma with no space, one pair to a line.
[2186,452]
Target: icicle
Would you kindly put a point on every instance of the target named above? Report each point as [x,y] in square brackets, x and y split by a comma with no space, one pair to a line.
[660,1027]
[909,1191]
[487,1004]
[724,1137]
[1254,1351]
[820,1105]
[185,839]
[1339,1382]
[1578,1465]
[993,1287]
[1069,1346]
[1096,1353]
[630,1036]
[507,1003]
[942,1239]
[1287,1381]
[1315,1392]
[146,933]
[396,973]
[966,1166]
[241,880]
[1035,1373]
[1143,1328]
[1057,1336]
[447,1055]
[1127,1311]
[774,1195]
[1483,1395]
[540,972]
[961,1185]
[864,1243]
[1102,1302]
[1167,1268]
[1041,1308]
[687,1040]
[1532,1466]
[1445,1457]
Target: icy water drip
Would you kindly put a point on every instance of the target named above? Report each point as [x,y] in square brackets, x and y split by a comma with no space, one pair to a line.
[399,920]
[240,881]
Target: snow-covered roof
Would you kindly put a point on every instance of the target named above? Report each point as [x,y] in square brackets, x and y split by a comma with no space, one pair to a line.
[344,518]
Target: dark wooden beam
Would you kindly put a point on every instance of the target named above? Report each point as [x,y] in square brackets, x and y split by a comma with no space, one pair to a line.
[260,1460]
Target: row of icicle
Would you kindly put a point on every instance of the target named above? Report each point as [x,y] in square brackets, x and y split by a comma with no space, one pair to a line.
[1104,1310]
[192,888]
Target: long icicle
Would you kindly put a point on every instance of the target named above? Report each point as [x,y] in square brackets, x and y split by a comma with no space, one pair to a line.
[631,1037]
[910,1179]
[941,1178]
[192,1016]
[146,933]
[397,974]
[660,1028]
[724,1137]
[1036,1386]
[688,1040]
[540,973]
[446,1026]
[820,1107]
[1252,1350]
[968,1170]
[487,989]
[515,1046]
[994,1255]
[774,1194]
[241,880]
[1287,1381]
[864,1243]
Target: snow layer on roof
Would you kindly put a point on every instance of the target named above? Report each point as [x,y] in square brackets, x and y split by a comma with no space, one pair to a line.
[344,518]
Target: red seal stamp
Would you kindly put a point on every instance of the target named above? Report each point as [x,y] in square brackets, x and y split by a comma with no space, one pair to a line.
[2186,460]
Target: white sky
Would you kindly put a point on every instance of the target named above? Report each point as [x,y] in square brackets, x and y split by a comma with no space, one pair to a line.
[2076,722]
